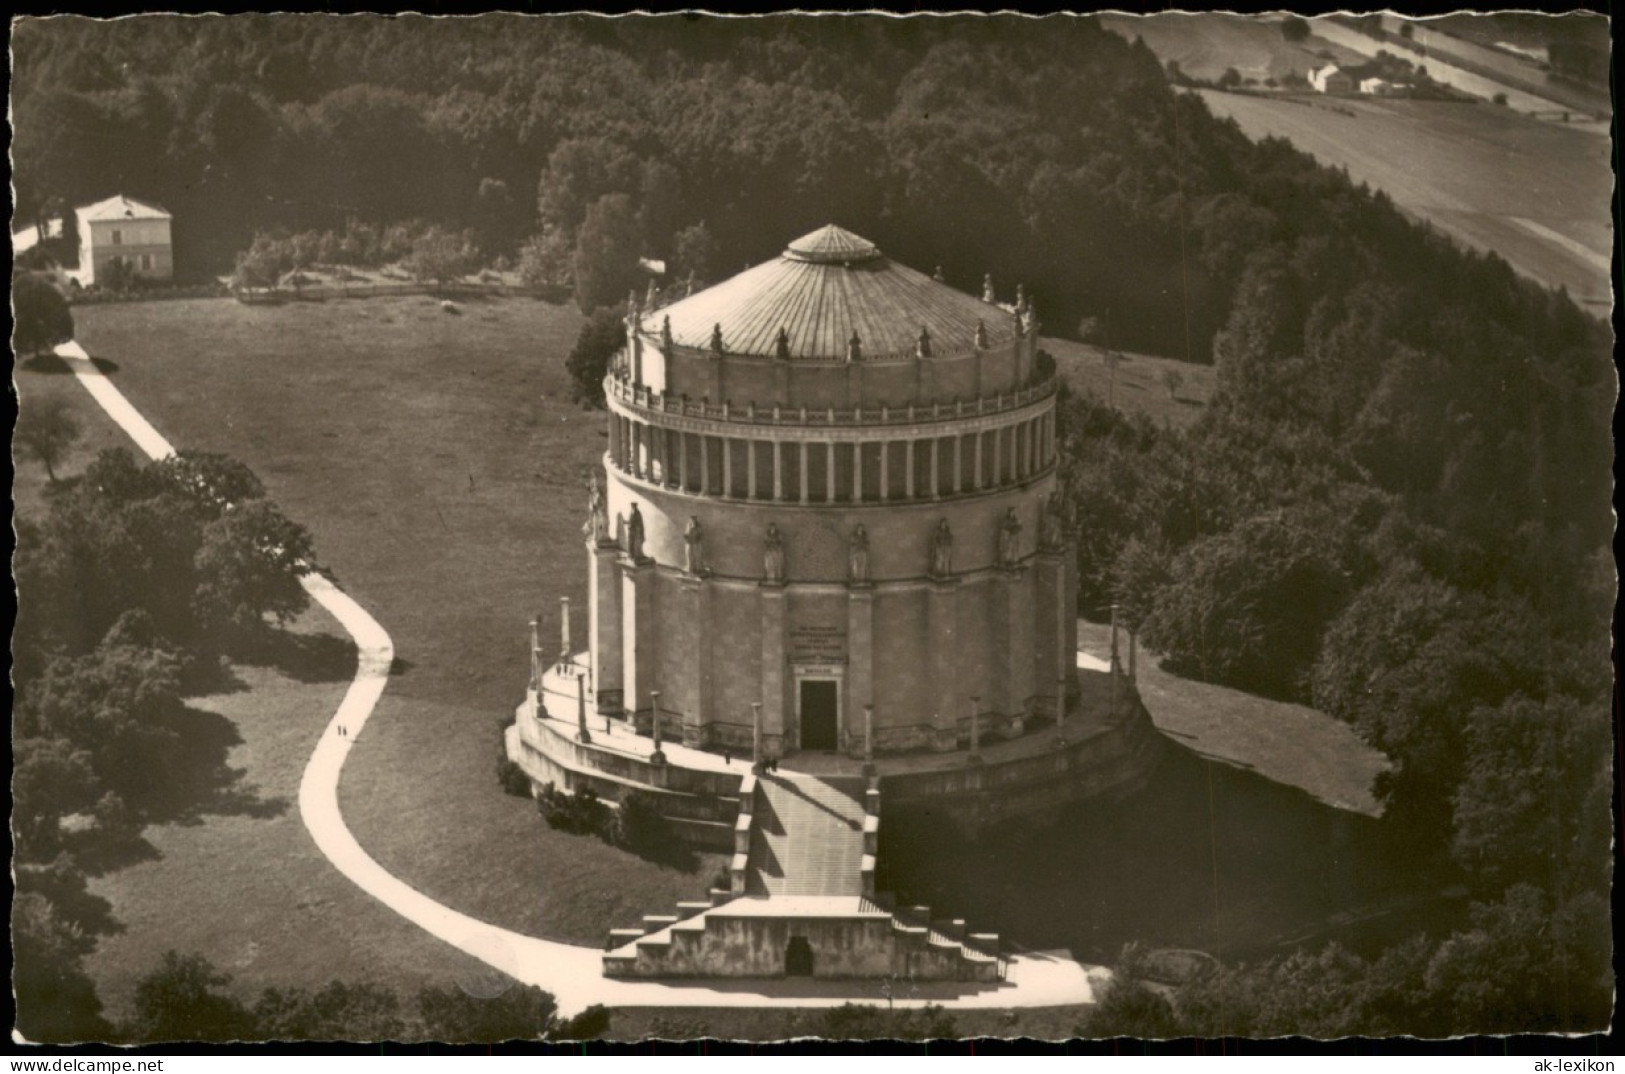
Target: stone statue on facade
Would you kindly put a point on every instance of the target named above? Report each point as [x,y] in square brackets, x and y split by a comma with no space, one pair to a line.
[773,554]
[596,527]
[1052,524]
[854,349]
[716,338]
[665,334]
[1009,539]
[922,346]
[634,535]
[781,345]
[981,335]
[938,276]
[694,540]
[987,289]
[857,556]
[942,551]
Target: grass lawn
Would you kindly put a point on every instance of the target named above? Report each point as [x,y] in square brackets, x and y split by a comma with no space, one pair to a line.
[439,466]
[1138,386]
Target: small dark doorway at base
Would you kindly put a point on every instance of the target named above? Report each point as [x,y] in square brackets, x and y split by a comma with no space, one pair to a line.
[818,714]
[798,957]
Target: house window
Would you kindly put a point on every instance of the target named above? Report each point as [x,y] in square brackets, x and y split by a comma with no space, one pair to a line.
[146,262]
[118,237]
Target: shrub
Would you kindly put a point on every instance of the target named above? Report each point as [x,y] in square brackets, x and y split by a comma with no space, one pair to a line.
[512,777]
[639,827]
[580,812]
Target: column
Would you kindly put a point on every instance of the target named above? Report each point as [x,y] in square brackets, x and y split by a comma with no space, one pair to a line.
[1019,651]
[582,734]
[604,623]
[778,472]
[998,457]
[705,465]
[727,468]
[615,438]
[978,485]
[860,617]
[638,648]
[959,463]
[682,461]
[885,473]
[564,630]
[803,446]
[829,471]
[774,730]
[750,474]
[756,757]
[535,661]
[936,487]
[857,471]
[942,620]
[694,685]
[908,471]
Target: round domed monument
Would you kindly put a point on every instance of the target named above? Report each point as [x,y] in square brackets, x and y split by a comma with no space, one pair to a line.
[830,490]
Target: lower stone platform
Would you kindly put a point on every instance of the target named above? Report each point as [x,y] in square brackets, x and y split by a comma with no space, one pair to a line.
[1106,745]
[831,937]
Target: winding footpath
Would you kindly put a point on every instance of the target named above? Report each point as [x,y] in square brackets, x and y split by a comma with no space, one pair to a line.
[573,974]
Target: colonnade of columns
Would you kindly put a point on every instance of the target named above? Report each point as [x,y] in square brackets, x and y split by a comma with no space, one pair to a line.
[809,470]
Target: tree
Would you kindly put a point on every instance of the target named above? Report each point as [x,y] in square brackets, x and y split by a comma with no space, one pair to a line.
[1294,29]
[56,1000]
[46,432]
[694,253]
[603,333]
[862,1021]
[521,1012]
[182,1001]
[41,315]
[545,260]
[118,275]
[1230,79]
[50,779]
[606,254]
[337,1011]
[441,256]
[249,564]
[121,706]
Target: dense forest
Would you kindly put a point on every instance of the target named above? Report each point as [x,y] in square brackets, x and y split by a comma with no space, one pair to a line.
[1397,507]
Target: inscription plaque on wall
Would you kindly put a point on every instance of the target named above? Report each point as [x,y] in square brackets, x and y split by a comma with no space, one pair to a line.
[817,645]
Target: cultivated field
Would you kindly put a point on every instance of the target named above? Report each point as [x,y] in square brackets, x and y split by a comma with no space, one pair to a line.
[1535,192]
[1139,384]
[1206,45]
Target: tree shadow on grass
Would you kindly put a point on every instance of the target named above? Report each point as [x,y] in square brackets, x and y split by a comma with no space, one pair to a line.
[400,666]
[306,658]
[55,364]
[199,782]
[1207,856]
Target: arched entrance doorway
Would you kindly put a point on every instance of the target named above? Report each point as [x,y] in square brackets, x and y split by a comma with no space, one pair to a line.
[798,957]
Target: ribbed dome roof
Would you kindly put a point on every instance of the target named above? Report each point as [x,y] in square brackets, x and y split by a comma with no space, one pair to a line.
[827,285]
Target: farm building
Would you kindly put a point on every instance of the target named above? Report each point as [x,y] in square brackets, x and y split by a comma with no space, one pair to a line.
[1333,80]
[123,229]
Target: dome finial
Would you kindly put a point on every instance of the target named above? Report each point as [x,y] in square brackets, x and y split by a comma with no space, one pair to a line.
[781,345]
[716,337]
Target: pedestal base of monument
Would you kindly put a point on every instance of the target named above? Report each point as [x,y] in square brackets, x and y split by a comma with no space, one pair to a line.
[1097,749]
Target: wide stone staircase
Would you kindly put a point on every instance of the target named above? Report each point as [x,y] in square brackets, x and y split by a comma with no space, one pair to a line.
[804,873]
[808,837]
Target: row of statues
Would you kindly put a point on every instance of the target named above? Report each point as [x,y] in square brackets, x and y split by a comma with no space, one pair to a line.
[1053,526]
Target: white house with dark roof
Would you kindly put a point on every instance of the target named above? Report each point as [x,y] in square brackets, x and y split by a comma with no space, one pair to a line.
[124,229]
